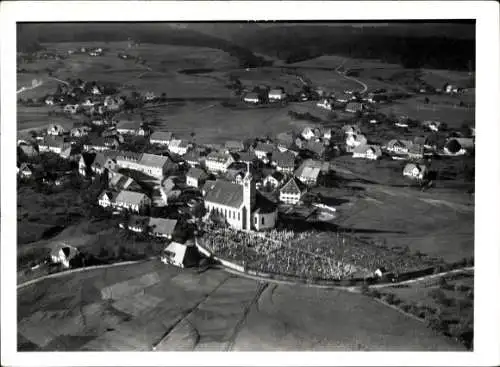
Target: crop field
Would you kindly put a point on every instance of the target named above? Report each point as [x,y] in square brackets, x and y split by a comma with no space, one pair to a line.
[52,316]
[439,224]
[29,118]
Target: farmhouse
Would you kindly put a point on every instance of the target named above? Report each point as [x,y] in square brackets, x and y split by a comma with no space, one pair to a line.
[284,162]
[149,164]
[120,182]
[101,163]
[263,150]
[78,132]
[28,150]
[161,138]
[308,172]
[181,255]
[100,144]
[130,200]
[135,128]
[234,146]
[54,144]
[415,171]
[276,95]
[372,152]
[136,223]
[161,227]
[416,151]
[106,198]
[25,170]
[292,191]
[353,141]
[62,254]
[251,98]
[195,177]
[398,146]
[354,107]
[218,162]
[238,205]
[56,130]
[273,180]
[179,147]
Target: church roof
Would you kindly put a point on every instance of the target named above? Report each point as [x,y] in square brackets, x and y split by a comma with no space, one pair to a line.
[225,193]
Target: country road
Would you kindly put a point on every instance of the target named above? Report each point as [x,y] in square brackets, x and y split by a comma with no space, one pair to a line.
[23,89]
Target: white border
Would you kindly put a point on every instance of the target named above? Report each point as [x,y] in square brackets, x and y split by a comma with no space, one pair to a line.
[487,255]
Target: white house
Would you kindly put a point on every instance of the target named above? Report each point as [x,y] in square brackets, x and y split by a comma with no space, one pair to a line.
[24,170]
[251,98]
[371,152]
[326,104]
[273,180]
[133,201]
[149,164]
[160,138]
[308,133]
[195,177]
[398,146]
[181,255]
[276,95]
[218,162]
[262,150]
[353,141]
[239,206]
[292,191]
[63,254]
[415,171]
[179,147]
[55,130]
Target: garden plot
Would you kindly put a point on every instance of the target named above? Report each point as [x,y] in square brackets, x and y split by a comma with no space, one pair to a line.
[129,287]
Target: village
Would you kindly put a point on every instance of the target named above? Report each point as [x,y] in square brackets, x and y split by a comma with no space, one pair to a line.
[241,186]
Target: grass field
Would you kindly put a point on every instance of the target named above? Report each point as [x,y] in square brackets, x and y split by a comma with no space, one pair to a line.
[206,312]
[29,118]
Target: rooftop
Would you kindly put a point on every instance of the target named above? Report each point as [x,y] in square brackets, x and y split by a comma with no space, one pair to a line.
[225,193]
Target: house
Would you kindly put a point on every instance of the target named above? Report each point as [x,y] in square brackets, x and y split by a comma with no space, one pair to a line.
[398,146]
[415,171]
[193,158]
[195,177]
[276,95]
[161,138]
[351,130]
[353,141]
[127,127]
[62,254]
[325,103]
[327,133]
[54,144]
[29,150]
[308,133]
[247,157]
[218,162]
[106,198]
[240,205]
[354,107]
[163,228]
[71,108]
[49,100]
[56,130]
[316,147]
[308,172]
[366,151]
[234,146]
[283,161]
[102,162]
[167,190]
[274,180]
[25,170]
[136,223]
[149,96]
[99,143]
[95,90]
[78,132]
[179,147]
[343,98]
[99,121]
[130,200]
[285,141]
[181,255]
[149,164]
[432,125]
[416,151]
[119,182]
[251,98]
[113,103]
[263,150]
[292,191]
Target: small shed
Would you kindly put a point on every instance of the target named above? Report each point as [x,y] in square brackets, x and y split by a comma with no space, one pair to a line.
[181,255]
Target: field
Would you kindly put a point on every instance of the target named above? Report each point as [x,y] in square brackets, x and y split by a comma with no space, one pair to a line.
[29,118]
[206,311]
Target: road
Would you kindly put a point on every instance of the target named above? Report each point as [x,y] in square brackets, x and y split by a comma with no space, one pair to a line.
[23,89]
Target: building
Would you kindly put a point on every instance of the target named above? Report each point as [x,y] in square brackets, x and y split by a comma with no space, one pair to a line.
[163,228]
[325,103]
[308,133]
[101,163]
[285,141]
[161,138]
[100,144]
[354,107]
[415,171]
[127,127]
[130,200]
[292,191]
[416,151]
[247,157]
[283,161]
[79,132]
[196,177]
[355,140]
[25,170]
[398,146]
[71,108]
[274,180]
[218,162]
[193,158]
[276,95]
[372,152]
[351,130]
[168,191]
[251,97]
[150,164]
[239,206]
[106,198]
[62,254]
[263,150]
[119,182]
[233,146]
[29,150]
[179,147]
[180,255]
[54,144]
[56,130]
[316,147]
[136,223]
[432,125]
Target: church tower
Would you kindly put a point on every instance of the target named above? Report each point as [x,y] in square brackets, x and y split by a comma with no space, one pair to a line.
[248,198]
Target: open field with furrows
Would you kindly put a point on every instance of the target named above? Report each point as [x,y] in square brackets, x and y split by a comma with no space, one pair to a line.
[215,123]
[414,108]
[438,223]
[135,307]
[29,118]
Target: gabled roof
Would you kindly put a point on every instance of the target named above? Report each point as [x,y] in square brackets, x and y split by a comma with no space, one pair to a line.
[277,175]
[196,173]
[354,106]
[128,125]
[162,225]
[399,143]
[128,156]
[218,157]
[416,149]
[225,193]
[53,141]
[246,157]
[293,186]
[264,147]
[234,144]
[192,156]
[153,160]
[138,221]
[161,135]
[284,159]
[362,149]
[110,194]
[251,95]
[315,147]
[129,197]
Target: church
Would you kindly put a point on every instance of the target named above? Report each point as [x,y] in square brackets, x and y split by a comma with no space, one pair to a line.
[240,204]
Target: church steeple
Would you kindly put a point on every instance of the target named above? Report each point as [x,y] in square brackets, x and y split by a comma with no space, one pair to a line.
[248,195]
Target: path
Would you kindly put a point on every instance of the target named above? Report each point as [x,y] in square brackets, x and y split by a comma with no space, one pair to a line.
[58,80]
[23,89]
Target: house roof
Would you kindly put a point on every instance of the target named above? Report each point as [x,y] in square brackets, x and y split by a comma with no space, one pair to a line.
[110,194]
[264,147]
[284,159]
[128,125]
[178,250]
[29,150]
[129,197]
[411,166]
[354,106]
[162,225]
[276,91]
[192,156]
[246,157]
[361,149]
[128,156]
[53,141]
[196,173]
[225,193]
[234,144]
[315,147]
[138,221]
[161,135]
[416,149]
[251,95]
[153,160]
[218,157]
[277,175]
[400,143]
[285,138]
[122,182]
[293,186]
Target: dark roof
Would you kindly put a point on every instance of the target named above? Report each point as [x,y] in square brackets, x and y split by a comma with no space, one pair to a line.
[246,157]
[234,144]
[263,204]
[285,159]
[293,186]
[161,225]
[218,157]
[315,147]
[196,173]
[161,135]
[225,193]
[277,175]
[354,106]
[268,148]
[192,156]
[138,221]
